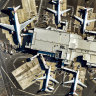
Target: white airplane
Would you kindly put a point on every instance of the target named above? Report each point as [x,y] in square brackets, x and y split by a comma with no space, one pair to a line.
[84,22]
[47,78]
[58,12]
[16,27]
[75,81]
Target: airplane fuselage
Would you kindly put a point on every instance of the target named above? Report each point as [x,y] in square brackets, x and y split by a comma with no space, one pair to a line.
[76,81]
[47,78]
[17,28]
[85,20]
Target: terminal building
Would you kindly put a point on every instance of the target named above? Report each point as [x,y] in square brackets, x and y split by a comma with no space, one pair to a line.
[62,45]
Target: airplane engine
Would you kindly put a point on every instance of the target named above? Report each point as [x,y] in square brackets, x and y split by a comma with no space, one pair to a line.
[88,24]
[12,32]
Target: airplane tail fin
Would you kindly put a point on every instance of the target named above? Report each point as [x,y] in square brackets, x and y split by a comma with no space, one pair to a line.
[49,89]
[54,2]
[63,22]
[73,93]
[14,8]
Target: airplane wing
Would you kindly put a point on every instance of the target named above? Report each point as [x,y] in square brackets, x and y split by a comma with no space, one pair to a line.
[7,26]
[92,32]
[53,80]
[81,84]
[69,70]
[41,78]
[51,10]
[89,21]
[78,19]
[62,12]
[71,81]
[47,90]
[32,58]
[23,25]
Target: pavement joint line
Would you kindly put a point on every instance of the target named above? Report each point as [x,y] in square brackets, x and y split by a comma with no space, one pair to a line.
[0,76]
[5,4]
[37,84]
[59,75]
[8,76]
[17,59]
[64,76]
[29,8]
[39,9]
[28,76]
[91,90]
[3,81]
[32,93]
[57,88]
[26,92]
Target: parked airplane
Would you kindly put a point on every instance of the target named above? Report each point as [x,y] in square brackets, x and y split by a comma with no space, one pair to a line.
[47,78]
[16,27]
[58,12]
[84,21]
[75,81]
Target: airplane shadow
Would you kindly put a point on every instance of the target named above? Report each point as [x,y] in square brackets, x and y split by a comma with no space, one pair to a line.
[9,13]
[26,40]
[82,62]
[11,21]
[41,63]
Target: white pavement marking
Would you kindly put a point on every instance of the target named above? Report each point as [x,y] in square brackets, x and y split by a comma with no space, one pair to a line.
[5,4]
[56,88]
[32,93]
[8,76]
[39,10]
[3,81]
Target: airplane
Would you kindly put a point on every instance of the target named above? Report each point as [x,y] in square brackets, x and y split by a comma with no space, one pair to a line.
[47,78]
[16,27]
[75,81]
[58,12]
[84,21]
